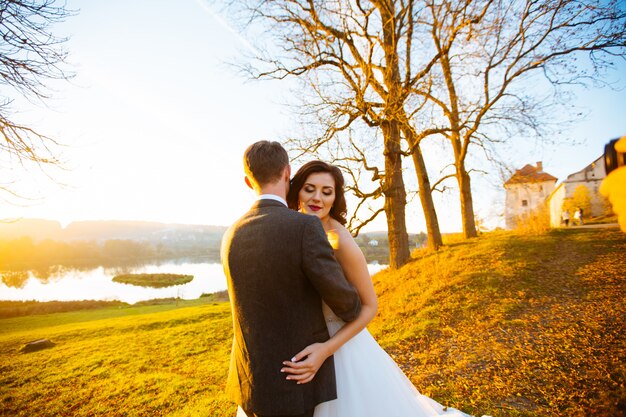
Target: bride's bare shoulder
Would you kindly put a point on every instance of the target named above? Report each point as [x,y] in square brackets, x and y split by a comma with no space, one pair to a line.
[342,236]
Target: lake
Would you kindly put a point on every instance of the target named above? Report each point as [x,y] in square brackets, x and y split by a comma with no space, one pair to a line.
[68,284]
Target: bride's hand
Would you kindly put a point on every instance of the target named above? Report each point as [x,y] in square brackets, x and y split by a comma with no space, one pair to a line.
[303,371]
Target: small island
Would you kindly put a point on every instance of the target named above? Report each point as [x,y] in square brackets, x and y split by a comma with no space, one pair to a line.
[153,280]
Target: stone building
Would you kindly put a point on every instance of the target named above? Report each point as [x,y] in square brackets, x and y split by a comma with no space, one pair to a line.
[526,191]
[530,187]
[590,176]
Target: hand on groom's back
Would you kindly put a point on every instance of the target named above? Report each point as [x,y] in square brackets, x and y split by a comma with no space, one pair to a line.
[303,367]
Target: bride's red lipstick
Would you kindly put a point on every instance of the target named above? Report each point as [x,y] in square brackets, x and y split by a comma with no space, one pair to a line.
[315,208]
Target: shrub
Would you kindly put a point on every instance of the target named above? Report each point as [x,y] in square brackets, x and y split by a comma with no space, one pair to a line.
[534,222]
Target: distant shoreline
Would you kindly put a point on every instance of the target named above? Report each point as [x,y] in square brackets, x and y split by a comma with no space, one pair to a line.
[10,309]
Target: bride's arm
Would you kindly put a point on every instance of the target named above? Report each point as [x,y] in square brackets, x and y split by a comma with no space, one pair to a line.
[354,266]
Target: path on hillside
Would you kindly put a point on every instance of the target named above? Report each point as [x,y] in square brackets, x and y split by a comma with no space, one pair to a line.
[593,226]
[523,325]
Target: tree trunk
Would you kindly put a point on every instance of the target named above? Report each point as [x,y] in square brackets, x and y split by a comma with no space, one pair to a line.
[460,152]
[426,197]
[395,193]
[465,190]
[395,196]
[467,203]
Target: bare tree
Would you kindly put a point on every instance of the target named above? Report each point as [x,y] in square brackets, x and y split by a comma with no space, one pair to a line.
[359,59]
[30,55]
[469,71]
[504,64]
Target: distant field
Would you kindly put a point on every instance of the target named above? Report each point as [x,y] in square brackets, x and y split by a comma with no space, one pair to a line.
[504,325]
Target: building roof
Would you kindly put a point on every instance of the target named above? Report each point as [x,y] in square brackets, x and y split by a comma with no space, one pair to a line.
[556,189]
[595,170]
[530,173]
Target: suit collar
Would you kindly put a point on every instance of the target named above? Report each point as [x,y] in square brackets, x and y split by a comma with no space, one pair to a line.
[272,197]
[267,203]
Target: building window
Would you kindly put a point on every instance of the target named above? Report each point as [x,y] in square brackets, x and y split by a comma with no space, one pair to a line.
[524,203]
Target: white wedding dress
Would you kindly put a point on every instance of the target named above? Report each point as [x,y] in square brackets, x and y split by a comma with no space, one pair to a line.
[370,383]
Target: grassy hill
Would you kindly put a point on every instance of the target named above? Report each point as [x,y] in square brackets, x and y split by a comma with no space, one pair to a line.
[504,325]
[514,325]
[138,361]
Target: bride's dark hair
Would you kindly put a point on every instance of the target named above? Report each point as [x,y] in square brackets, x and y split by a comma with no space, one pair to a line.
[339,209]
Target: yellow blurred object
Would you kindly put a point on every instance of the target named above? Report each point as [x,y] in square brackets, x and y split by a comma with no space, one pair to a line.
[620,145]
[614,187]
[333,239]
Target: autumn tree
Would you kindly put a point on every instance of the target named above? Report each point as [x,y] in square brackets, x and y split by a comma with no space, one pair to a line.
[504,65]
[30,56]
[581,199]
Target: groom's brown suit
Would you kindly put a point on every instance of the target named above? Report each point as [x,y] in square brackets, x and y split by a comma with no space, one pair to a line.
[279,266]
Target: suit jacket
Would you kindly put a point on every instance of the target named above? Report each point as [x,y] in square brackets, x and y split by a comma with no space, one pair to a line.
[279,266]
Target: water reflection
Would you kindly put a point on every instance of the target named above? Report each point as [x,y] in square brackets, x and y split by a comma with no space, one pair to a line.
[70,284]
[46,274]
[14,279]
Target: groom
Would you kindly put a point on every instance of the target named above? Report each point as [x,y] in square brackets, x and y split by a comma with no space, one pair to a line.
[279,266]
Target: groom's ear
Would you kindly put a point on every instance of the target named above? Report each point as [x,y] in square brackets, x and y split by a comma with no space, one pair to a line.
[248,182]
[288,172]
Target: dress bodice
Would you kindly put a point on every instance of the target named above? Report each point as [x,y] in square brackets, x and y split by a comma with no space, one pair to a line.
[333,323]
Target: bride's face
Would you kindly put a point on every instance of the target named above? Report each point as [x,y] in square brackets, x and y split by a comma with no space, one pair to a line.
[317,195]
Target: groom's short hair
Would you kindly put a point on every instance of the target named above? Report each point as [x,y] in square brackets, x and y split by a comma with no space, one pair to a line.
[265,161]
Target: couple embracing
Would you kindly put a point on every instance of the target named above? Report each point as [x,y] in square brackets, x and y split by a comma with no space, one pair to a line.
[301,296]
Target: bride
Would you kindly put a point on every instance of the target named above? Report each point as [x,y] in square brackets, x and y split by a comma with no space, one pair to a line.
[369,383]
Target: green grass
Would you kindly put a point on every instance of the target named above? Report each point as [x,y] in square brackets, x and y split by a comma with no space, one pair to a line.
[27,308]
[141,361]
[504,325]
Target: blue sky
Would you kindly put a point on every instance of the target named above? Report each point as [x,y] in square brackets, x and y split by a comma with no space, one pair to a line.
[155,122]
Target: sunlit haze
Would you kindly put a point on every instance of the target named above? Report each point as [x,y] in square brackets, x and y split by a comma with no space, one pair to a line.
[155,122]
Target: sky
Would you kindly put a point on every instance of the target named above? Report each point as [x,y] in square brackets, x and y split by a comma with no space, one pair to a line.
[156,119]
